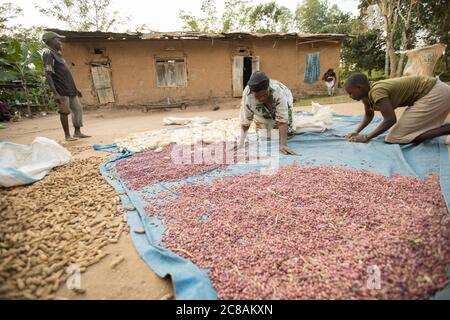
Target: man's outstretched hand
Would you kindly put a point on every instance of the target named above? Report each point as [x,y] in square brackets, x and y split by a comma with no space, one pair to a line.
[351,134]
[361,138]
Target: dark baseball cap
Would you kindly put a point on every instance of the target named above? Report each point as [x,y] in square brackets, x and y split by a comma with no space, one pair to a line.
[258,81]
[49,35]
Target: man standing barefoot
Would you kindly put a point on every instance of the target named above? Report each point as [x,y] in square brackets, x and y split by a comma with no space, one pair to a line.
[62,85]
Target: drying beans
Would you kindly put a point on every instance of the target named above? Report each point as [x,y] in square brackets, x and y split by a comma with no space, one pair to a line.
[149,167]
[313,233]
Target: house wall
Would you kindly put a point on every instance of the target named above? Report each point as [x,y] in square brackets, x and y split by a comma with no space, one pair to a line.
[208,63]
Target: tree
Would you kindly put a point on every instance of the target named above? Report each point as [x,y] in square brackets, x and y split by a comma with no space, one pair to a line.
[8,11]
[365,50]
[209,22]
[388,10]
[270,17]
[239,15]
[404,23]
[20,61]
[316,16]
[235,15]
[405,12]
[311,15]
[337,21]
[434,19]
[84,15]
[399,22]
[361,52]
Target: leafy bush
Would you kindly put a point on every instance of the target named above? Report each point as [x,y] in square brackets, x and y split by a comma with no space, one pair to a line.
[21,65]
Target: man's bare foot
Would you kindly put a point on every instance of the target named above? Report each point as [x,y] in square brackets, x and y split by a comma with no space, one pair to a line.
[81,135]
[69,138]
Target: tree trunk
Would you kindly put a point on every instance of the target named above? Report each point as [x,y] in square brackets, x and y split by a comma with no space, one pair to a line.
[401,64]
[386,63]
[403,47]
[393,61]
[391,54]
[404,44]
[388,10]
[27,96]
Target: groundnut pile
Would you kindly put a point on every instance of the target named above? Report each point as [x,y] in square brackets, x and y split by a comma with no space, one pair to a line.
[313,233]
[65,219]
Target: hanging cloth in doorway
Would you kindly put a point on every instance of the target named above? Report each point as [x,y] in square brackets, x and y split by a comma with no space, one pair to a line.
[312,71]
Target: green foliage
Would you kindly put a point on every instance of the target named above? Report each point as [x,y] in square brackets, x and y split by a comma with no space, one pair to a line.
[19,60]
[36,95]
[322,99]
[270,17]
[235,16]
[8,11]
[209,22]
[316,16]
[442,69]
[84,15]
[311,15]
[21,64]
[365,51]
[377,76]
[239,15]
[434,17]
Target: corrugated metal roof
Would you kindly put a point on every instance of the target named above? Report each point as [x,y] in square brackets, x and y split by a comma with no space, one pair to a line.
[112,36]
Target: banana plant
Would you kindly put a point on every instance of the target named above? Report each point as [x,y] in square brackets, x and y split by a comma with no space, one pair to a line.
[22,62]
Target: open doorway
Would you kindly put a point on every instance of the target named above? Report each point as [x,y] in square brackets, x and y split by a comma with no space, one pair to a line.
[243,67]
[247,70]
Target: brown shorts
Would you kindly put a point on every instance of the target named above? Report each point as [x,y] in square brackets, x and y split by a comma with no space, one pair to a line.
[72,105]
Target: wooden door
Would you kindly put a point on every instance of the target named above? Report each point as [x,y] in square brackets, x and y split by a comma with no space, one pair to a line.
[101,76]
[255,64]
[238,76]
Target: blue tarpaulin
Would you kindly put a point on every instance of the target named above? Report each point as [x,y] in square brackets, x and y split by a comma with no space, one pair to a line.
[319,149]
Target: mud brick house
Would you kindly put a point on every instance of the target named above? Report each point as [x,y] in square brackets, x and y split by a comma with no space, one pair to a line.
[169,67]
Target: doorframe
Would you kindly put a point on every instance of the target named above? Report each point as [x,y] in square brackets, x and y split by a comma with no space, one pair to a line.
[238,61]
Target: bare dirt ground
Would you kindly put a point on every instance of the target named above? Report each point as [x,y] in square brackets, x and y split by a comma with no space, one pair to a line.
[105,125]
[132,279]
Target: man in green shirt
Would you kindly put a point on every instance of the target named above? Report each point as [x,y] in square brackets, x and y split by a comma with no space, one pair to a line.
[427,102]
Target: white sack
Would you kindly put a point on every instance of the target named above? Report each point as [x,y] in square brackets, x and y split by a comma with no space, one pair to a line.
[320,120]
[21,164]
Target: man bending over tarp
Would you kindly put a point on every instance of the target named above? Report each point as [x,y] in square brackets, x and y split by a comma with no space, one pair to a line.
[427,100]
[269,104]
